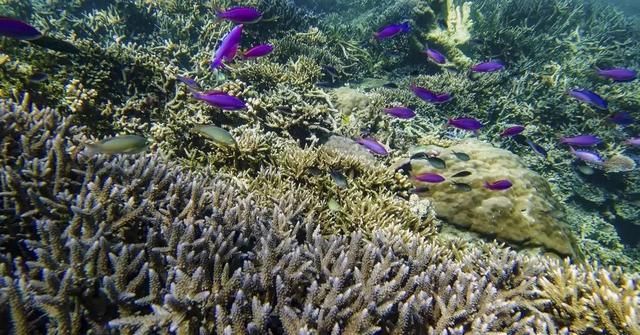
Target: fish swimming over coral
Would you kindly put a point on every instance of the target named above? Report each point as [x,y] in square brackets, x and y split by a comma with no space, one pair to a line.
[220,100]
[498,185]
[392,30]
[190,82]
[17,29]
[430,96]
[618,74]
[512,131]
[429,177]
[587,156]
[400,112]
[588,97]
[435,56]
[123,144]
[488,66]
[219,136]
[373,146]
[260,50]
[465,123]
[581,140]
[228,47]
[240,14]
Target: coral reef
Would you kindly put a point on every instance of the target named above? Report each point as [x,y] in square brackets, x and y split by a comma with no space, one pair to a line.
[527,213]
[131,244]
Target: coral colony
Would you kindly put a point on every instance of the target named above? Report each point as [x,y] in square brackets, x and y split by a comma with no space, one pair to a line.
[314,167]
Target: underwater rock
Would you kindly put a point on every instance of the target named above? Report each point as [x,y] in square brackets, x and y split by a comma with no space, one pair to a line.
[526,214]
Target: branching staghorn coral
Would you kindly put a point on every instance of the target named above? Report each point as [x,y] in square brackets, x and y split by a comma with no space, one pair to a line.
[131,244]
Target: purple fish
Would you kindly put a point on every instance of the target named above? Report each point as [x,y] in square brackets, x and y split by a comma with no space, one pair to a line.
[228,47]
[634,141]
[588,97]
[190,82]
[498,185]
[241,15]
[512,131]
[435,56]
[373,146]
[430,96]
[220,99]
[581,140]
[618,74]
[400,112]
[392,30]
[17,29]
[465,123]
[258,51]
[587,156]
[622,118]
[430,177]
[489,66]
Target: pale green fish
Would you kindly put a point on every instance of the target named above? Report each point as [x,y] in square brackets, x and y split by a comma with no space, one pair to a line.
[333,204]
[218,135]
[124,144]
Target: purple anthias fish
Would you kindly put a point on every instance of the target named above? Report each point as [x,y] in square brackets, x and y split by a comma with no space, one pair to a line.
[17,29]
[435,55]
[588,97]
[429,177]
[228,47]
[498,185]
[220,99]
[587,156]
[512,131]
[190,82]
[634,141]
[430,96]
[621,118]
[465,123]
[241,15]
[373,146]
[489,66]
[392,30]
[581,140]
[400,112]
[258,51]
[618,74]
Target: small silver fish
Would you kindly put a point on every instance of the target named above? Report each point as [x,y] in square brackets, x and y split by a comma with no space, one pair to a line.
[339,179]
[461,156]
[124,144]
[437,163]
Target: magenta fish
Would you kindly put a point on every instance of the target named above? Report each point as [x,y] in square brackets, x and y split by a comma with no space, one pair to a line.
[429,177]
[400,112]
[373,146]
[258,51]
[17,29]
[489,66]
[587,156]
[589,97]
[430,96]
[512,131]
[498,185]
[465,123]
[220,100]
[392,30]
[241,14]
[618,74]
[581,140]
[228,47]
[435,56]
[634,141]
[622,118]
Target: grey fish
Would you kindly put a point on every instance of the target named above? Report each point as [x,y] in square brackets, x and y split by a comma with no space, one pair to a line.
[437,163]
[461,187]
[420,155]
[56,44]
[339,179]
[461,156]
[125,144]
[38,77]
[461,174]
[218,135]
[314,171]
[417,190]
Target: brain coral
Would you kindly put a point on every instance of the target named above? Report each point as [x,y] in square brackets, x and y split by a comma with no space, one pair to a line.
[526,213]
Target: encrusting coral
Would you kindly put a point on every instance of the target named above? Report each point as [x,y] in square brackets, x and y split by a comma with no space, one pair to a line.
[93,244]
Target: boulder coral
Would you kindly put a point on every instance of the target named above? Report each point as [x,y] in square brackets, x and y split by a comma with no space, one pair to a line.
[525,214]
